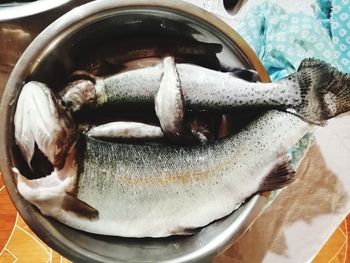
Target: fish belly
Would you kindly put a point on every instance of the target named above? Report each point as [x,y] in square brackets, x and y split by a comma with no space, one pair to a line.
[161,190]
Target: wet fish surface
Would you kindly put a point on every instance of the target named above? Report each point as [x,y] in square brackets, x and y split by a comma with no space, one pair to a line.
[150,190]
[310,92]
[157,190]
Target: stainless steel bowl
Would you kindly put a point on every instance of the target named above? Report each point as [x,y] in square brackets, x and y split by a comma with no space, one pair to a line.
[53,55]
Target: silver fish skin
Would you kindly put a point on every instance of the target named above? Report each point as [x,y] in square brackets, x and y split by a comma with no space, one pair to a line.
[317,91]
[162,190]
[138,189]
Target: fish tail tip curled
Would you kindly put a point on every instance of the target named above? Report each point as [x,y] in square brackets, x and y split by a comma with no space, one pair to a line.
[79,208]
[325,91]
[280,175]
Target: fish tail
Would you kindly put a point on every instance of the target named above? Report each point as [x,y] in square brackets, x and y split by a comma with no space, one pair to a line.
[325,91]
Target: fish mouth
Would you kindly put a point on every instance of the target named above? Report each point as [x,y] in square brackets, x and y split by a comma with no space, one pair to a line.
[43,125]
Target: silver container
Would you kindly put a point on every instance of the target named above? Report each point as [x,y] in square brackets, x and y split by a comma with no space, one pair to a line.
[17,10]
[53,55]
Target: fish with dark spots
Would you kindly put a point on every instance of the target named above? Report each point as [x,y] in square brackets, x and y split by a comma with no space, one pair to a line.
[157,190]
[313,98]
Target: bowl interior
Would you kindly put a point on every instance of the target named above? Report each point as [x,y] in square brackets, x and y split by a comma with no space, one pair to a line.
[96,44]
[91,44]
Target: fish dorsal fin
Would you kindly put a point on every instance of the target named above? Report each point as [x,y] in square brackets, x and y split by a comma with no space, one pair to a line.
[280,175]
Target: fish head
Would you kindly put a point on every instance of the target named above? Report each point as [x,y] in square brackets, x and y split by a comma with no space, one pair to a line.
[79,93]
[41,119]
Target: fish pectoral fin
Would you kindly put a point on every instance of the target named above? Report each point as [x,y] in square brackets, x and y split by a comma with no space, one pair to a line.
[280,175]
[126,131]
[78,207]
[169,102]
[246,74]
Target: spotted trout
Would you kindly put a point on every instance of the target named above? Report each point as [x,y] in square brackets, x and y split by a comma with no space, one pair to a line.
[157,190]
[315,92]
[160,190]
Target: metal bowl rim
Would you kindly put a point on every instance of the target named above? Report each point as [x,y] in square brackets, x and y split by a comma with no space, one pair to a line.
[68,23]
[28,9]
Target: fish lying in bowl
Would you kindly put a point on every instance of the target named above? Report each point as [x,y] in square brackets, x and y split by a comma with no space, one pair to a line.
[157,190]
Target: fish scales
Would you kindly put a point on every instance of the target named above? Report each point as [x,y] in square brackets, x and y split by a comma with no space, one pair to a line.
[214,90]
[316,92]
[159,190]
[133,86]
[203,89]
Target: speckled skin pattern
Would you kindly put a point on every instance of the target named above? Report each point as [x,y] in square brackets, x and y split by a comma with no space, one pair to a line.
[202,89]
[208,89]
[325,91]
[159,190]
[135,86]
[316,92]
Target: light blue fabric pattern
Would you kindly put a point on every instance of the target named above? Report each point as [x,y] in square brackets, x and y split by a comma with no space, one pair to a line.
[282,39]
[335,16]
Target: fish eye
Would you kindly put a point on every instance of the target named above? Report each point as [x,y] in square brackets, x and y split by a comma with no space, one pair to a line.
[94,65]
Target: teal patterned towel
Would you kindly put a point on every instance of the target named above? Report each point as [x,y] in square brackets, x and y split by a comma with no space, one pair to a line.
[335,17]
[283,39]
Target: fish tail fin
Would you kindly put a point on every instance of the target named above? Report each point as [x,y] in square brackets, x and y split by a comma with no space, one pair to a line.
[325,91]
[280,175]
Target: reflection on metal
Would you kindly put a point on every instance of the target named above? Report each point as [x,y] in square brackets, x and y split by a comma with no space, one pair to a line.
[18,10]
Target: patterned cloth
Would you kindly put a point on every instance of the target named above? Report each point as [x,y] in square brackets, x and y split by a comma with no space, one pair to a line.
[335,17]
[283,39]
